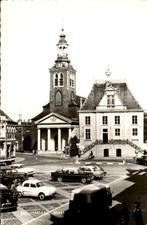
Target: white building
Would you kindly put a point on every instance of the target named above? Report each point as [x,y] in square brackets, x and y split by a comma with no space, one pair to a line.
[111,120]
[7,138]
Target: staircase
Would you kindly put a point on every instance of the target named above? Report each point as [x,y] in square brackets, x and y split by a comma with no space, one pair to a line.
[111,142]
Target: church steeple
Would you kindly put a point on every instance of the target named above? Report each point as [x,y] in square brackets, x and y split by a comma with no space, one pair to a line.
[62,50]
[62,79]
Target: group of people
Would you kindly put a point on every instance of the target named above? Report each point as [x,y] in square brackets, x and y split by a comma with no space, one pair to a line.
[136,214]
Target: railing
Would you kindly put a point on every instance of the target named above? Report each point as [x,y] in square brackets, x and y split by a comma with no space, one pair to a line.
[113,141]
[137,148]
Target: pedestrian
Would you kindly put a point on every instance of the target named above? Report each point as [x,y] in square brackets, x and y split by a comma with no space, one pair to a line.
[91,156]
[137,213]
[13,186]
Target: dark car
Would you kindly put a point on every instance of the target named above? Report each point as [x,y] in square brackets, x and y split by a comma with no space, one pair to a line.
[8,176]
[8,199]
[142,160]
[71,174]
[87,204]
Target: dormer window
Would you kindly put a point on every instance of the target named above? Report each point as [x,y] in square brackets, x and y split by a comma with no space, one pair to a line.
[110,101]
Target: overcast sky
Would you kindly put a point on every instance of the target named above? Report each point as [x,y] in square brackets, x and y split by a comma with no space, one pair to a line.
[99,33]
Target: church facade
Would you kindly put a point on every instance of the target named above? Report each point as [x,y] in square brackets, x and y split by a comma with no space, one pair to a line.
[59,120]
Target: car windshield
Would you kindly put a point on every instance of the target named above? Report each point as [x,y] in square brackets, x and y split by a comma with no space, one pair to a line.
[96,168]
[40,184]
[85,169]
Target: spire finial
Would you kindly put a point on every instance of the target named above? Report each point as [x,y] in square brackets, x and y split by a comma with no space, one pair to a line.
[108,72]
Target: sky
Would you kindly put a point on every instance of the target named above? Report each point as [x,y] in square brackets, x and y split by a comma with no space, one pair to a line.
[100,33]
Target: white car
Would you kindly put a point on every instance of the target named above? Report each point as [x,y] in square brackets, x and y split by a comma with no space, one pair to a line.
[35,188]
[23,169]
[97,171]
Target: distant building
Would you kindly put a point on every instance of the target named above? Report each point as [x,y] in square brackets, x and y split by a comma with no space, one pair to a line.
[111,120]
[59,120]
[7,138]
[24,135]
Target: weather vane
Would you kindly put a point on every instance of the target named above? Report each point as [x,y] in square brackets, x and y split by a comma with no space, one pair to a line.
[108,72]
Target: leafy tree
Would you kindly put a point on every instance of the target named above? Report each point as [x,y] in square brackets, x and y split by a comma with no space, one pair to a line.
[73,146]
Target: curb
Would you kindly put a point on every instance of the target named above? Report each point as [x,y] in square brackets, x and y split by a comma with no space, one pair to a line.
[107,163]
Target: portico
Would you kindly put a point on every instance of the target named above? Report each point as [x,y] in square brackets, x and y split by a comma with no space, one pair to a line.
[53,133]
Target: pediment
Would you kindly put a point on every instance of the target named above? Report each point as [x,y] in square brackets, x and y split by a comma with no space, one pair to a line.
[53,118]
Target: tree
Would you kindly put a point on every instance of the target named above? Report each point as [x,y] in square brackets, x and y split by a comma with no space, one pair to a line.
[73,146]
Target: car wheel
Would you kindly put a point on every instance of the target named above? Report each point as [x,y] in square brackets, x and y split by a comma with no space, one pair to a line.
[59,179]
[41,196]
[19,194]
[83,180]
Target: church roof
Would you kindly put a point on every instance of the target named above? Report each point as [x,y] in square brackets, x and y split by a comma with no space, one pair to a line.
[69,114]
[123,91]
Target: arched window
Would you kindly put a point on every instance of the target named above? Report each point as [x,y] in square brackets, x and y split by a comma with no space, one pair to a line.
[58,98]
[61,79]
[56,79]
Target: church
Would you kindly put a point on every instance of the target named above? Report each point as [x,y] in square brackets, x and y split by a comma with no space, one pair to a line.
[59,120]
[110,122]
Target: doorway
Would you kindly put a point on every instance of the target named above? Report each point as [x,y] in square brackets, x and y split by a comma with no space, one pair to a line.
[105,136]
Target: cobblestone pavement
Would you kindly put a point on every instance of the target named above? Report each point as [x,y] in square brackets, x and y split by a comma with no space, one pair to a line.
[30,208]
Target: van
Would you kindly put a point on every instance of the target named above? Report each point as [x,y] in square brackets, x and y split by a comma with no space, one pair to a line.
[87,204]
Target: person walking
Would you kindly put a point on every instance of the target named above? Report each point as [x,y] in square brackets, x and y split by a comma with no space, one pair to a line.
[137,213]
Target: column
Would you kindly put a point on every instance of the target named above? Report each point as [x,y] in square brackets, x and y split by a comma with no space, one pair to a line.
[38,139]
[49,139]
[59,139]
[69,134]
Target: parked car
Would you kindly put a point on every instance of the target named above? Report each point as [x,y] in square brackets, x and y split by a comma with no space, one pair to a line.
[8,199]
[8,176]
[35,188]
[97,171]
[71,174]
[142,160]
[20,168]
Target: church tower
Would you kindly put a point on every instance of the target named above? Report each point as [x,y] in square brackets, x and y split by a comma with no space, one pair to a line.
[62,80]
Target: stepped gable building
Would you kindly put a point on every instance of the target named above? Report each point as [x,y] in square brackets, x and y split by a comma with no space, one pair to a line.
[59,119]
[111,120]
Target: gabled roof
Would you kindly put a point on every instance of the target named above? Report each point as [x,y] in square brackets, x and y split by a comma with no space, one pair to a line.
[54,115]
[5,117]
[69,115]
[98,91]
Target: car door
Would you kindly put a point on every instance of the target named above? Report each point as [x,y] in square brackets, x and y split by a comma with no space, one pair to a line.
[25,189]
[33,190]
[65,175]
